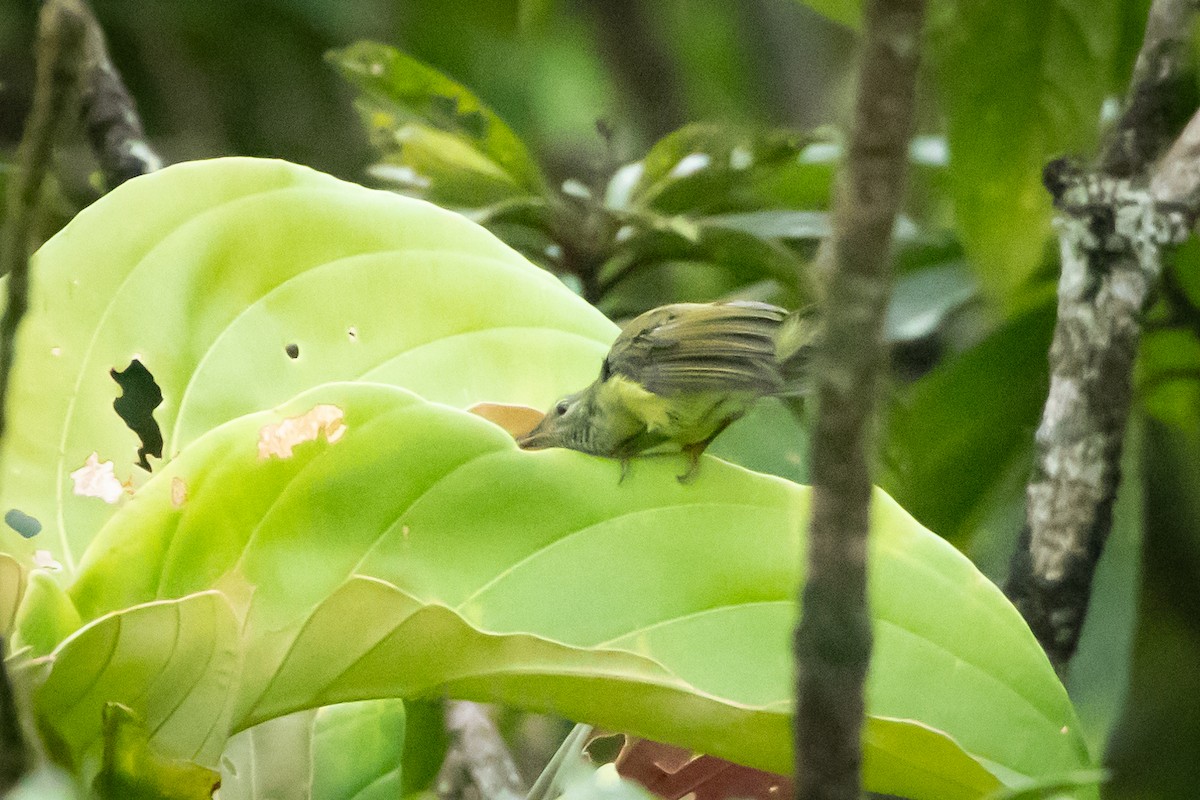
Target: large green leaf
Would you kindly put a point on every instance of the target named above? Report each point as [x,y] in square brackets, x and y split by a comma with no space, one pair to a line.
[420,553]
[207,272]
[1021,83]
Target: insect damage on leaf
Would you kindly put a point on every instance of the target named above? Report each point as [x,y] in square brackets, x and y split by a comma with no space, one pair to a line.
[97,478]
[179,492]
[140,396]
[278,439]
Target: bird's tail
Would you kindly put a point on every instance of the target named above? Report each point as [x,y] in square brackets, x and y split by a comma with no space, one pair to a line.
[794,346]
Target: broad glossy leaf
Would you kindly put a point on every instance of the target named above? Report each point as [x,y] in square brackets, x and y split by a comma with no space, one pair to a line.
[420,553]
[421,97]
[1021,83]
[172,662]
[232,266]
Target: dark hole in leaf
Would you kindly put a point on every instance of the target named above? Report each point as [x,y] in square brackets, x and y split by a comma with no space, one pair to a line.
[136,405]
[293,350]
[22,523]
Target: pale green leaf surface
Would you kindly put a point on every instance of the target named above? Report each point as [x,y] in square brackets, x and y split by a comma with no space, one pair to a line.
[423,554]
[272,760]
[219,266]
[170,661]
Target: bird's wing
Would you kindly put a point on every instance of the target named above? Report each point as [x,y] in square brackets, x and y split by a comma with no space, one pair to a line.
[699,347]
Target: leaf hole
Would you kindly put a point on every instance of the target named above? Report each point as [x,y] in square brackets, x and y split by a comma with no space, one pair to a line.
[22,523]
[140,396]
[292,350]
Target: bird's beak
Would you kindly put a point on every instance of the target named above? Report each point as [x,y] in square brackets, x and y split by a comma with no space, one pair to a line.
[536,439]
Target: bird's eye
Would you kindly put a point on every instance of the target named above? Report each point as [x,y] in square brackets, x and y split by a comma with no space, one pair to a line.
[561,408]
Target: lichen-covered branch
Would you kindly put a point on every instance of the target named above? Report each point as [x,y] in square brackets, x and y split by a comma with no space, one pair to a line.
[1113,228]
[108,111]
[478,764]
[60,38]
[833,640]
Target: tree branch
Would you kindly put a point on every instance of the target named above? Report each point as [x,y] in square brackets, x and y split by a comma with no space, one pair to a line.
[60,37]
[109,112]
[477,757]
[833,640]
[1113,225]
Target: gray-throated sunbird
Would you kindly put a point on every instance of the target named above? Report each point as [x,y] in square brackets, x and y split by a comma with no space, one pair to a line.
[678,375]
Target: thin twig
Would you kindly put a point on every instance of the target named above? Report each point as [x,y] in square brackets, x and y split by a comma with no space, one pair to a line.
[833,640]
[1112,231]
[477,758]
[60,36]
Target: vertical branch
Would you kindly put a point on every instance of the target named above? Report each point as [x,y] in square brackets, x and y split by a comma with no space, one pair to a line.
[478,763]
[833,640]
[109,112]
[60,37]
[1112,230]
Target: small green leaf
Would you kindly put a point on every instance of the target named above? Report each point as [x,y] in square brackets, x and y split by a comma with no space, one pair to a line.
[709,168]
[422,102]
[132,770]
[45,616]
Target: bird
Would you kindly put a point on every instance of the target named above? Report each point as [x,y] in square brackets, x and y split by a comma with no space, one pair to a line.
[679,375]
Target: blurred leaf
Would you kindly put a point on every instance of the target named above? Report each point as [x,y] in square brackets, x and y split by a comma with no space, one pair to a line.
[770,439]
[358,749]
[1019,84]
[953,433]
[1167,377]
[774,224]
[846,12]
[703,168]
[1057,787]
[922,299]
[132,770]
[440,121]
[47,782]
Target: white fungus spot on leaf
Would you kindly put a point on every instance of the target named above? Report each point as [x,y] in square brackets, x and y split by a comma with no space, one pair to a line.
[56,351]
[179,492]
[97,478]
[278,439]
